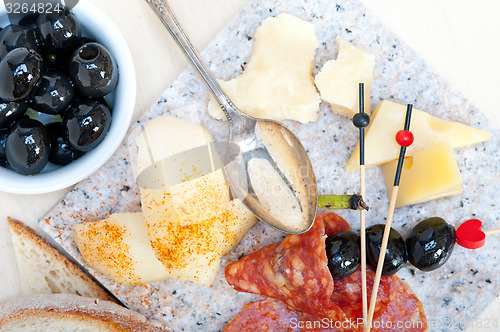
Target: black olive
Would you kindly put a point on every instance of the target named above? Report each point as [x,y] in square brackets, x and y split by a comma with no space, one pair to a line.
[27,146]
[93,70]
[53,94]
[60,61]
[3,157]
[85,125]
[395,254]
[344,254]
[430,243]
[20,71]
[61,152]
[59,32]
[11,111]
[15,36]
[29,20]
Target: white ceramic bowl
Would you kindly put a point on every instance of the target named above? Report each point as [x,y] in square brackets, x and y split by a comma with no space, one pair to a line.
[98,26]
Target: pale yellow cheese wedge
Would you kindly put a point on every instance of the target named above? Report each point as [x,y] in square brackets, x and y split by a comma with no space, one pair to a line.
[189,220]
[338,81]
[277,82]
[189,237]
[188,202]
[238,222]
[388,119]
[119,247]
[166,136]
[184,185]
[190,252]
[427,175]
[184,216]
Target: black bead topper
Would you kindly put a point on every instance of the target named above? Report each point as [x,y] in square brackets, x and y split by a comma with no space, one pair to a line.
[361,120]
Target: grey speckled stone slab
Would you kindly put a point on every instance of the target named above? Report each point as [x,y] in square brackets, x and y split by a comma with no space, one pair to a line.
[456,293]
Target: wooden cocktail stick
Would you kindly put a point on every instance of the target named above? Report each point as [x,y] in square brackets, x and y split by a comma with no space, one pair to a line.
[404,138]
[361,120]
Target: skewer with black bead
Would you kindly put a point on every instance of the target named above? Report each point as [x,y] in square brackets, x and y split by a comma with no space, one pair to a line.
[405,139]
[361,120]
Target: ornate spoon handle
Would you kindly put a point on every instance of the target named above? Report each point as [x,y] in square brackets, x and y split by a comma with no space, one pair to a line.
[167,17]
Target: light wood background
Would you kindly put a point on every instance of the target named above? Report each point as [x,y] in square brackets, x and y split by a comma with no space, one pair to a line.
[459,38]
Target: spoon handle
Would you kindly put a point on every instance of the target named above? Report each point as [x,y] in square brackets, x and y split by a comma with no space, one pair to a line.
[167,17]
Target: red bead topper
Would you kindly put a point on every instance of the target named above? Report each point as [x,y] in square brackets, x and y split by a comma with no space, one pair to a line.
[404,138]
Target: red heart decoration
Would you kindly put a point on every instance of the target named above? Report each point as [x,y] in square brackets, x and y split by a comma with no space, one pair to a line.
[469,234]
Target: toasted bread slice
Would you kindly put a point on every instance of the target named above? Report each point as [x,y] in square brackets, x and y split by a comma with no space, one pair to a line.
[44,270]
[65,312]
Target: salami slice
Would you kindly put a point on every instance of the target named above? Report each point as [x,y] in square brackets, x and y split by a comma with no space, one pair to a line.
[266,315]
[397,309]
[333,223]
[294,270]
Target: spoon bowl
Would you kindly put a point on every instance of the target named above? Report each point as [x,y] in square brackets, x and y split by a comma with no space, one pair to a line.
[271,172]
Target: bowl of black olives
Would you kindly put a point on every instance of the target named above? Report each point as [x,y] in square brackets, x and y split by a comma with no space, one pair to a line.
[67,96]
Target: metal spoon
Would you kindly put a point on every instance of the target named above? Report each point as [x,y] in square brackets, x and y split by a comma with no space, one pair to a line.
[270,171]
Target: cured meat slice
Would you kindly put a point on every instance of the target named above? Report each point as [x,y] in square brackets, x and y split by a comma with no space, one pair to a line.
[266,315]
[397,309]
[286,271]
[333,223]
[294,270]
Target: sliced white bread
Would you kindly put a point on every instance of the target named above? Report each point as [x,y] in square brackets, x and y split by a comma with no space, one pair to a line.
[65,312]
[44,270]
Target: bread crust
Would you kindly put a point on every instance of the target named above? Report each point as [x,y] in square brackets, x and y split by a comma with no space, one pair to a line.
[74,309]
[29,235]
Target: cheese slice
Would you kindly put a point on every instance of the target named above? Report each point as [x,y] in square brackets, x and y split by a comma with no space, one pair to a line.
[427,175]
[183,196]
[388,119]
[166,136]
[277,82]
[238,221]
[338,81]
[180,180]
[188,202]
[119,247]
[189,252]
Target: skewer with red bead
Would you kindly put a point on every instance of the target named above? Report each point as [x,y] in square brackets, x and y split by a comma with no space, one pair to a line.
[405,139]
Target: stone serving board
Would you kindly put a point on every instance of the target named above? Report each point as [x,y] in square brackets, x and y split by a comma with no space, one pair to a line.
[456,293]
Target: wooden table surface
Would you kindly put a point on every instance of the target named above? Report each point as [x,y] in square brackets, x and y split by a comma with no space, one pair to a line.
[458,38]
